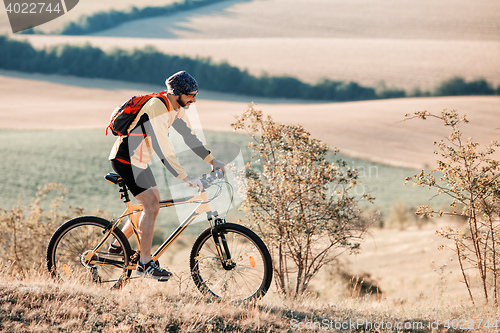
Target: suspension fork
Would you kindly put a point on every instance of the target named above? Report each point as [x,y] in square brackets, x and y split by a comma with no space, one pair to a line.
[221,243]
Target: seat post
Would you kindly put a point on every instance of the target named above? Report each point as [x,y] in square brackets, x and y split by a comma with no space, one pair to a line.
[124,191]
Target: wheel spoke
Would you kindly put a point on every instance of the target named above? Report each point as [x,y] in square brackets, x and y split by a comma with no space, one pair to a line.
[250,276]
[77,237]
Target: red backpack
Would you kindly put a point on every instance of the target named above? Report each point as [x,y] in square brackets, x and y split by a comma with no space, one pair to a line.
[125,114]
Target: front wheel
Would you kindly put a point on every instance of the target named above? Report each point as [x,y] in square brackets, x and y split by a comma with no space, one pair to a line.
[75,239]
[243,272]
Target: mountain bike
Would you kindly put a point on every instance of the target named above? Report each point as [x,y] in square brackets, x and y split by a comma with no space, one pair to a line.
[227,260]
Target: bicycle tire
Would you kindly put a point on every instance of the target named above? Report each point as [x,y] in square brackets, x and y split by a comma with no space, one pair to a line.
[251,276]
[77,236]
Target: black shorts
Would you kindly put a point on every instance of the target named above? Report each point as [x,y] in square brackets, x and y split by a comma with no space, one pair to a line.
[137,180]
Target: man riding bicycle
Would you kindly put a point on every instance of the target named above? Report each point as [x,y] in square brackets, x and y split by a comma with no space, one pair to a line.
[131,154]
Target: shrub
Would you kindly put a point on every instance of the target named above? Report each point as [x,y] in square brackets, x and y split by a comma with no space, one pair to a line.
[471,177]
[26,231]
[302,205]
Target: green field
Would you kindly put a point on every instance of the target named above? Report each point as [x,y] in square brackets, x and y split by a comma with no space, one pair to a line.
[78,159]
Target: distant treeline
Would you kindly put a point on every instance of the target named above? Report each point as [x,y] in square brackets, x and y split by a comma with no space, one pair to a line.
[458,86]
[151,66]
[103,20]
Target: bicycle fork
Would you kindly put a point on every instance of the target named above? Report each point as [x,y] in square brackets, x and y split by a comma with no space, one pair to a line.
[220,242]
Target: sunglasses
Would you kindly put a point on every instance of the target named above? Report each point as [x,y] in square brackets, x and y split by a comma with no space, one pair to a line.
[191,95]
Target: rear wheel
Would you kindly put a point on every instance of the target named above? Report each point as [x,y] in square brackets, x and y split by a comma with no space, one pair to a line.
[246,275]
[76,238]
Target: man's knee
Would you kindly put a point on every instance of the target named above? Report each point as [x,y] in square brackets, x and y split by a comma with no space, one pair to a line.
[150,201]
[151,205]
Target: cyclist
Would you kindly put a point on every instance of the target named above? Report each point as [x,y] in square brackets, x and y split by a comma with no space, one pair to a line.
[131,154]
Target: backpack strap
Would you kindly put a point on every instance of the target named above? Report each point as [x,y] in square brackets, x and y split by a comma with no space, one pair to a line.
[164,99]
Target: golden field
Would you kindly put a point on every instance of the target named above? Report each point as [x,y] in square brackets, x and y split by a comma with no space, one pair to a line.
[372,130]
[406,64]
[404,44]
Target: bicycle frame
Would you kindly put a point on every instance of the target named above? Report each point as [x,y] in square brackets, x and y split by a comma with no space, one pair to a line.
[203,206]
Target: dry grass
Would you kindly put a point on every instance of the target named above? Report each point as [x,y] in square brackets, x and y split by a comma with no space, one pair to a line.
[35,303]
[39,304]
[405,265]
[420,286]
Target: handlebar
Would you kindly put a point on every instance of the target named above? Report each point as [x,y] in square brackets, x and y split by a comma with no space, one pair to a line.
[207,180]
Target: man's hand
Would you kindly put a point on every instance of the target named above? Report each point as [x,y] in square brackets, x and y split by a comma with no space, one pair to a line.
[193,182]
[218,165]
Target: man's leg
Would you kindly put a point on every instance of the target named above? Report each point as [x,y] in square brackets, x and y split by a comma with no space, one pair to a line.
[150,200]
[127,229]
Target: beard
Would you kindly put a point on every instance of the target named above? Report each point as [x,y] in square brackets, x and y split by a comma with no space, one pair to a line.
[185,105]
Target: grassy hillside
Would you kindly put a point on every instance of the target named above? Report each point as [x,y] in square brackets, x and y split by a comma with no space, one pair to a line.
[78,160]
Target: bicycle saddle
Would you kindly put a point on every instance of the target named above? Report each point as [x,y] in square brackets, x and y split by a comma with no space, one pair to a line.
[113,178]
